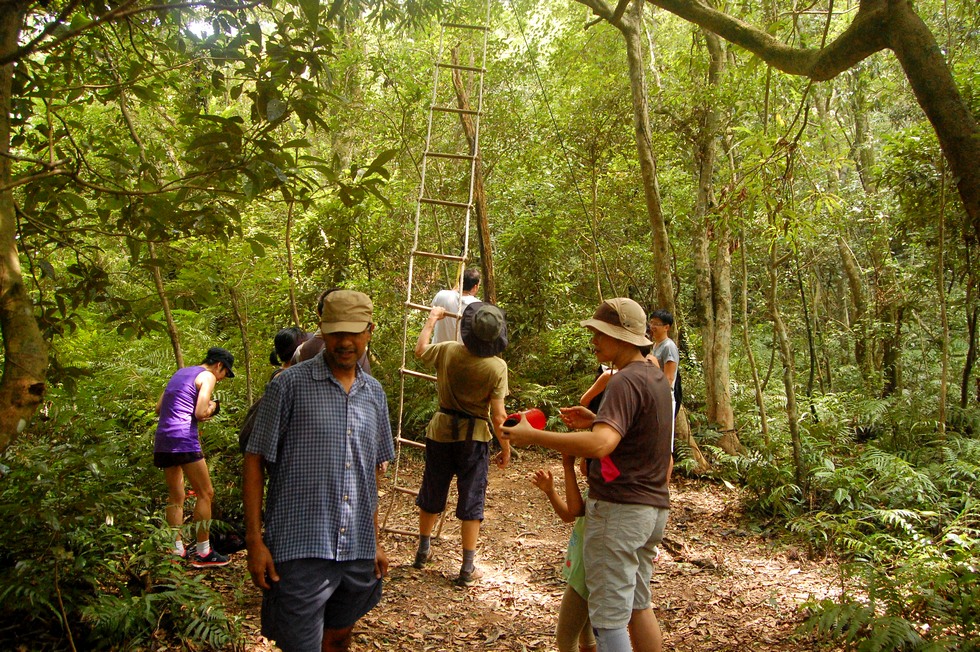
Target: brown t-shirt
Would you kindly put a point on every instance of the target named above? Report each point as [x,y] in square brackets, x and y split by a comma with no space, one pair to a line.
[637,405]
[465,383]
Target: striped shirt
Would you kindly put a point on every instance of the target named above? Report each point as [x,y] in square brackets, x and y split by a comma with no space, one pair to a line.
[322,446]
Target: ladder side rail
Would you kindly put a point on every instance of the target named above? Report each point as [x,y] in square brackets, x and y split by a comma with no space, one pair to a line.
[411,276]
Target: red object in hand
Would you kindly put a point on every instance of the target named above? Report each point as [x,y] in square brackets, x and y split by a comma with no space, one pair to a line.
[535,417]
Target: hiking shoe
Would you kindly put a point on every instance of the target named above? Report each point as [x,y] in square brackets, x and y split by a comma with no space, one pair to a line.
[470,578]
[421,558]
[214,558]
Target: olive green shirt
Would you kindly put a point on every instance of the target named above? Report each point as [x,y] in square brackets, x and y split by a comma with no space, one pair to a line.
[465,383]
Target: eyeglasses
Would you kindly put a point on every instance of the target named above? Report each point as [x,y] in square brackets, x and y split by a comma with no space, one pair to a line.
[655,325]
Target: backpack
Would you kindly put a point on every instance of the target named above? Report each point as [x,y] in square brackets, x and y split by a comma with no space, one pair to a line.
[248,424]
[678,391]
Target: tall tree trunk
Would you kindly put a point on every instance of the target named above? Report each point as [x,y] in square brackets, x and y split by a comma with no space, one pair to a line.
[630,24]
[863,151]
[172,332]
[242,322]
[810,345]
[489,280]
[713,272]
[290,269]
[891,355]
[972,313]
[631,27]
[25,358]
[756,383]
[859,299]
[943,314]
[789,367]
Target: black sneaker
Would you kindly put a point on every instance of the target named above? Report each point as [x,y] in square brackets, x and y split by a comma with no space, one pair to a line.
[470,578]
[421,558]
[214,558]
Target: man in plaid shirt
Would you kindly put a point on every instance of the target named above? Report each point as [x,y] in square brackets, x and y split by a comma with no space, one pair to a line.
[321,433]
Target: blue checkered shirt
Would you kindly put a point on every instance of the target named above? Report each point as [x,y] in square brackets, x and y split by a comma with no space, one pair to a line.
[322,445]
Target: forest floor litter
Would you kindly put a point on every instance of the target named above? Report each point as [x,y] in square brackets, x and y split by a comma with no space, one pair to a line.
[717,586]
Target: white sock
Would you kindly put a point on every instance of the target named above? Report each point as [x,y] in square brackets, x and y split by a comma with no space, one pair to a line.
[203,548]
[179,547]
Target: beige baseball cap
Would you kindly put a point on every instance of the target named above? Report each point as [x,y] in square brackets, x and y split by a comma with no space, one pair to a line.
[346,311]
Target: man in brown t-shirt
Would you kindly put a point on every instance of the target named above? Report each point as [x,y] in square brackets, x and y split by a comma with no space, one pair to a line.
[628,445]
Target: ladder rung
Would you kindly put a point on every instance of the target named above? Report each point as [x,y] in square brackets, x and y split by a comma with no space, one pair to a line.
[452,109]
[443,202]
[432,254]
[462,157]
[461,26]
[456,66]
[418,374]
[411,442]
[406,490]
[425,308]
[395,530]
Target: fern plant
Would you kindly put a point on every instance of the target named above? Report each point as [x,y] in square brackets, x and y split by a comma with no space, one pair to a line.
[84,560]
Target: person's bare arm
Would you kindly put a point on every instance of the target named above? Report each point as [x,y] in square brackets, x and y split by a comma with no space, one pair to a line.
[670,370]
[545,481]
[498,414]
[598,387]
[204,408]
[380,556]
[260,565]
[425,336]
[594,444]
[573,495]
[159,404]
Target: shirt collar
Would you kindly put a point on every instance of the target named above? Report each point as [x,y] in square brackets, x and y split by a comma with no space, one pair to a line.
[321,371]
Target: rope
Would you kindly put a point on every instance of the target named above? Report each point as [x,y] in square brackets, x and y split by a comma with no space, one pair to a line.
[568,161]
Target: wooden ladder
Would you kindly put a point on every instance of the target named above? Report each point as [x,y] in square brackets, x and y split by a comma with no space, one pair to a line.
[442,219]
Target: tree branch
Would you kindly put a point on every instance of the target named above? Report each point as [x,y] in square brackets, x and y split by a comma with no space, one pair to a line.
[866,35]
[124,10]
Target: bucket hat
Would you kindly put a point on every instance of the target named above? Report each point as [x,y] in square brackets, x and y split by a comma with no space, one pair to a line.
[483,329]
[622,319]
[346,311]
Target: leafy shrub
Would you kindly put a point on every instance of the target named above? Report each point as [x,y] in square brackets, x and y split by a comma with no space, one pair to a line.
[85,558]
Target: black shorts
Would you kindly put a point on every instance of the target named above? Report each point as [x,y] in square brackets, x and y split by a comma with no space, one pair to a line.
[166,460]
[469,461]
[313,595]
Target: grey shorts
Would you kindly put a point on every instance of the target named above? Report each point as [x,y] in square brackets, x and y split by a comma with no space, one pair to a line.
[313,595]
[620,543]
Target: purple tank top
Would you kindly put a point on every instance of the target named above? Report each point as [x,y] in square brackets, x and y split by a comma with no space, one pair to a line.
[177,428]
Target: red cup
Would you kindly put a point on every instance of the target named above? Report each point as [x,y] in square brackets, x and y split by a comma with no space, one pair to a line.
[535,417]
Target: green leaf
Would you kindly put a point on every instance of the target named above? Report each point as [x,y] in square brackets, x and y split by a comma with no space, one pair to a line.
[257,249]
[311,9]
[297,142]
[71,200]
[80,21]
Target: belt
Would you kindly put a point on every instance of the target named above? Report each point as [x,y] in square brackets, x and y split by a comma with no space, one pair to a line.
[459,415]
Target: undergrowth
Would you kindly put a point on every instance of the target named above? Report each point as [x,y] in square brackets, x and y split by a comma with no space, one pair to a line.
[897,499]
[84,554]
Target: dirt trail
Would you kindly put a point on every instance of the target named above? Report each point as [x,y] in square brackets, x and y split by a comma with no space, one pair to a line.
[716,587]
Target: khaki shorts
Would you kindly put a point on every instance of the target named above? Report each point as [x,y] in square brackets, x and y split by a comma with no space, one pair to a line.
[620,543]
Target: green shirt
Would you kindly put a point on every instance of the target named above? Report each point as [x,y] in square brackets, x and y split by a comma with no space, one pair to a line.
[465,383]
